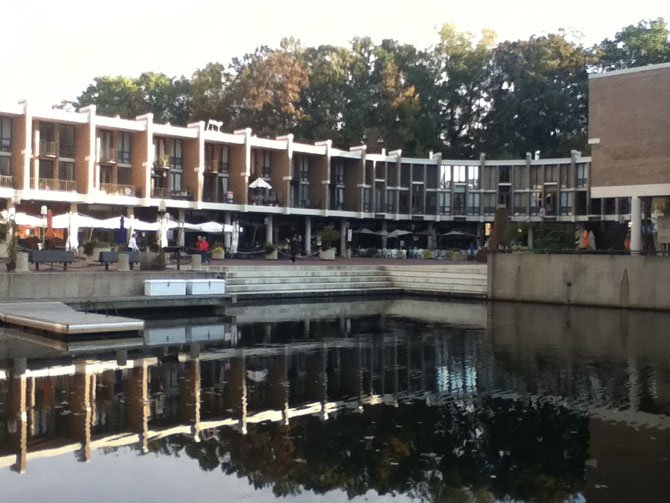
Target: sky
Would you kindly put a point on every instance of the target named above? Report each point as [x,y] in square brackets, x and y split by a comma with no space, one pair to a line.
[54,49]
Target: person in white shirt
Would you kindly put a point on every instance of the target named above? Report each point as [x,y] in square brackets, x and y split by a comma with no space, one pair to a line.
[132,243]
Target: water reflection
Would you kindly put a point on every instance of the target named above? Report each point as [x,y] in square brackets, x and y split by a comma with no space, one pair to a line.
[437,401]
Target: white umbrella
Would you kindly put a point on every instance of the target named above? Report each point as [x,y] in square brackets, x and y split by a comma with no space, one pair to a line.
[397,233]
[163,228]
[365,231]
[25,219]
[260,183]
[72,231]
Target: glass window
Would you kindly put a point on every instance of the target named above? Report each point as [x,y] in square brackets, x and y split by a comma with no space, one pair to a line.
[124,148]
[459,174]
[404,175]
[106,174]
[566,200]
[66,141]
[175,181]
[65,170]
[489,204]
[520,204]
[431,203]
[338,171]
[417,173]
[504,174]
[582,173]
[519,177]
[473,204]
[459,200]
[46,131]
[176,156]
[535,202]
[489,177]
[535,177]
[366,199]
[5,134]
[432,176]
[551,173]
[473,177]
[504,196]
[224,167]
[417,199]
[444,203]
[390,201]
[46,169]
[5,165]
[445,177]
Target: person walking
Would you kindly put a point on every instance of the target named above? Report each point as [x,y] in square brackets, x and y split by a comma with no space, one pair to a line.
[132,243]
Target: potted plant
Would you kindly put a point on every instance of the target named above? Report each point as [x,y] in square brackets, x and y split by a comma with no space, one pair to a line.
[218,252]
[270,251]
[329,237]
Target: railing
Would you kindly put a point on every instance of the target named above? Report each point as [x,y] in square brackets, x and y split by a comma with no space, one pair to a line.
[7,181]
[107,155]
[160,192]
[47,148]
[118,189]
[60,185]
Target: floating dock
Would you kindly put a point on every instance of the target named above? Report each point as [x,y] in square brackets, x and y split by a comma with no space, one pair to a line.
[58,318]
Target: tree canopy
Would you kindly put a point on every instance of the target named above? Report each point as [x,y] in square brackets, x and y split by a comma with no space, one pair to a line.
[465,95]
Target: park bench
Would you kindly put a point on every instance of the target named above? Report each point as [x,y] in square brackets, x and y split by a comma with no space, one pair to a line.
[112,257]
[64,257]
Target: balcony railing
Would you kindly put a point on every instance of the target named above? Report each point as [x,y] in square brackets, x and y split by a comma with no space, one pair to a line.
[7,181]
[108,155]
[47,148]
[161,192]
[51,184]
[117,189]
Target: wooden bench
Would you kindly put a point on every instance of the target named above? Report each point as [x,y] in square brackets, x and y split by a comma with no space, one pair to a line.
[64,257]
[111,257]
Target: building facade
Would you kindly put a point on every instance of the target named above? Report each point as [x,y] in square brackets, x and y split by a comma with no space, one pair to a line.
[81,161]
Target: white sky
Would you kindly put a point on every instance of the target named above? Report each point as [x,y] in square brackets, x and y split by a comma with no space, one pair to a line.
[54,48]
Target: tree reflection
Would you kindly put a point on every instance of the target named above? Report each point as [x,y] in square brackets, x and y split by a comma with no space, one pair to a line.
[469,450]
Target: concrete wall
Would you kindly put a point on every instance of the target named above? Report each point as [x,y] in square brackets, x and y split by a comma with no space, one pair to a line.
[593,280]
[59,286]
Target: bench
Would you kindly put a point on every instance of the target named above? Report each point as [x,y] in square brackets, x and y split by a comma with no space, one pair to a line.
[64,257]
[111,257]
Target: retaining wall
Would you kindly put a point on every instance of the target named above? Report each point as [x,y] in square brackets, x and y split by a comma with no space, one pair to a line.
[591,280]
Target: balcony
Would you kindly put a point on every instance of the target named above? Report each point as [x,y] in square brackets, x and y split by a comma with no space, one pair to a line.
[108,155]
[117,189]
[6,181]
[160,192]
[53,184]
[47,149]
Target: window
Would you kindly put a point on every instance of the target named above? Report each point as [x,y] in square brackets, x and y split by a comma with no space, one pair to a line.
[417,173]
[582,173]
[404,174]
[107,146]
[489,177]
[379,200]
[123,156]
[403,201]
[262,163]
[459,174]
[339,172]
[65,170]
[504,174]
[567,176]
[175,181]
[46,131]
[417,199]
[46,169]
[489,204]
[473,177]
[176,155]
[535,202]
[504,196]
[432,176]
[5,134]
[66,141]
[520,204]
[551,173]
[106,174]
[473,204]
[444,203]
[366,199]
[535,177]
[390,201]
[566,200]
[431,203]
[224,166]
[339,198]
[304,169]
[519,177]
[445,177]
[459,200]
[5,165]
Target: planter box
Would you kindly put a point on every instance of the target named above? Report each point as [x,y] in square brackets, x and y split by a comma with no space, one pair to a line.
[157,287]
[93,259]
[271,256]
[206,286]
[328,254]
[218,255]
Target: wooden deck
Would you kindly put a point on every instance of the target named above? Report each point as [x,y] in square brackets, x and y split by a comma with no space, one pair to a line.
[58,318]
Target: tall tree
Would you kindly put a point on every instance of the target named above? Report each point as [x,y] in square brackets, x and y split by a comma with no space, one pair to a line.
[539,97]
[646,43]
[113,96]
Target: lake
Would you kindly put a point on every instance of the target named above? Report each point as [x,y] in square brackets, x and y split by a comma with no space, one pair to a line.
[365,400]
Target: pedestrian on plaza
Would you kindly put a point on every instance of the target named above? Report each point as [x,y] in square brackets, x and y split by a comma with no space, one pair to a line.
[132,243]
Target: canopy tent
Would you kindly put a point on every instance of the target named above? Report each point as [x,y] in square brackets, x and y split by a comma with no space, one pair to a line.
[458,234]
[365,231]
[23,219]
[398,233]
[210,227]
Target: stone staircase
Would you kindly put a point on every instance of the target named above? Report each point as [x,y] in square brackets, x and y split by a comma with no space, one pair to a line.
[303,281]
[329,280]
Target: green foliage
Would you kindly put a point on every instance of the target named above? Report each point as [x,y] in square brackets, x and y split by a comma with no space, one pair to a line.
[646,43]
[270,248]
[329,236]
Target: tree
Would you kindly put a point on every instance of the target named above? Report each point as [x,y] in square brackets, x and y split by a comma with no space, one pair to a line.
[538,97]
[646,43]
[113,96]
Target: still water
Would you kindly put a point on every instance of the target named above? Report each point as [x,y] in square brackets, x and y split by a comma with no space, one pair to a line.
[394,399]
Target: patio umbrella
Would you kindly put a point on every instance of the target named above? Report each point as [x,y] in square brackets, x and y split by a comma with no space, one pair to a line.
[397,233]
[122,236]
[162,237]
[260,183]
[365,231]
[459,234]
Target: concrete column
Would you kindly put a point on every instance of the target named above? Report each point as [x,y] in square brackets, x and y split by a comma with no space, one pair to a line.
[278,385]
[236,391]
[226,235]
[384,237]
[308,235]
[138,402]
[431,236]
[124,262]
[343,238]
[21,262]
[531,238]
[17,421]
[189,395]
[80,419]
[635,229]
[269,221]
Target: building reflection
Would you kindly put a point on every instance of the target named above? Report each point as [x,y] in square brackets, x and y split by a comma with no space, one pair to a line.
[430,396]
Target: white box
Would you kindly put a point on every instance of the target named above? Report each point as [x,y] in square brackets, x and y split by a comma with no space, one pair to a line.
[206,286]
[156,287]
